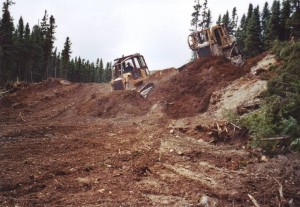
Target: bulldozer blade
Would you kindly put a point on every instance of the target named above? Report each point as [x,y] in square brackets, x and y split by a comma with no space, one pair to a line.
[146,89]
[236,56]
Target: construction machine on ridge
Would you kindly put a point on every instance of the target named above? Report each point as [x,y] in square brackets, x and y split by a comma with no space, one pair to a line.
[215,41]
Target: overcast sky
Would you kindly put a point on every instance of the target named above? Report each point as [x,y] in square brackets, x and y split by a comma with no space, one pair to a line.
[107,29]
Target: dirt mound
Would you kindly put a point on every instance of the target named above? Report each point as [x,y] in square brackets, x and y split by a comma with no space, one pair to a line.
[157,75]
[61,100]
[51,99]
[188,92]
[114,104]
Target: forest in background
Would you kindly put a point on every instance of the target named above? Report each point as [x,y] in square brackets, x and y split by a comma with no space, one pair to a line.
[28,54]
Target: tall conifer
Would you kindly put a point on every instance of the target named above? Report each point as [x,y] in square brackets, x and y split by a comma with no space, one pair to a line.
[253,42]
[8,51]
[273,27]
[65,58]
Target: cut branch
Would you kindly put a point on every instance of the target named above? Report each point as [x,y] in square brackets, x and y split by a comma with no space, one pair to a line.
[235,126]
[253,200]
[274,138]
[20,115]
[280,190]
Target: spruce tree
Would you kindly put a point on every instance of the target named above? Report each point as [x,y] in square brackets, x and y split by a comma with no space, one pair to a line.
[19,41]
[294,21]
[54,63]
[249,14]
[36,66]
[65,58]
[48,47]
[253,42]
[208,20]
[196,15]
[273,28]
[101,71]
[265,18]
[71,70]
[205,20]
[27,53]
[285,14]
[241,34]
[242,31]
[219,20]
[7,59]
[233,22]
[107,73]
[78,66]
[226,20]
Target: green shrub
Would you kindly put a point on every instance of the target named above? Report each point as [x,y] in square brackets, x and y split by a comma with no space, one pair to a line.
[279,116]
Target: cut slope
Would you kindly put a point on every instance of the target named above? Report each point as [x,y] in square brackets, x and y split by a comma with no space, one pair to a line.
[188,92]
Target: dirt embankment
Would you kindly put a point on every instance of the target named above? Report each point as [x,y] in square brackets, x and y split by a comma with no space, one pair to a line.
[188,92]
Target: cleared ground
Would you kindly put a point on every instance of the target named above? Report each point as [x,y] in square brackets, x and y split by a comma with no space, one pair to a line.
[71,144]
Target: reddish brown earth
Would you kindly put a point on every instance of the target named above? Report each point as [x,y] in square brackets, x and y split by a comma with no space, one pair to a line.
[72,144]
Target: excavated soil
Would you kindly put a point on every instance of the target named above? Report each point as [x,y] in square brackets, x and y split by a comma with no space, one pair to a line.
[72,144]
[188,92]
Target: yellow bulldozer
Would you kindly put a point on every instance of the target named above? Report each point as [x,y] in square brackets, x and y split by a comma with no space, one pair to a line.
[131,73]
[215,41]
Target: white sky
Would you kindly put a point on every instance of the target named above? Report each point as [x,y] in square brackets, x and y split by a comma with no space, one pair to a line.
[107,29]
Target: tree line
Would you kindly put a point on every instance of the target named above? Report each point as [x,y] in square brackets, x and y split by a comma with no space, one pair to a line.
[257,29]
[29,54]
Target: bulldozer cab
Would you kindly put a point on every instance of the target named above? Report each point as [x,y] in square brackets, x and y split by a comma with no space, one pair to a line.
[199,42]
[134,64]
[215,41]
[131,73]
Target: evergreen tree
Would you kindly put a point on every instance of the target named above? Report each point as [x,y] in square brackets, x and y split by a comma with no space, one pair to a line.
[65,58]
[205,21]
[8,52]
[54,63]
[196,15]
[219,20]
[208,20]
[233,22]
[44,25]
[273,28]
[36,66]
[101,71]
[225,19]
[241,34]
[47,32]
[265,18]
[78,66]
[253,42]
[249,14]
[27,53]
[71,70]
[48,47]
[285,14]
[294,21]
[19,41]
[107,73]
